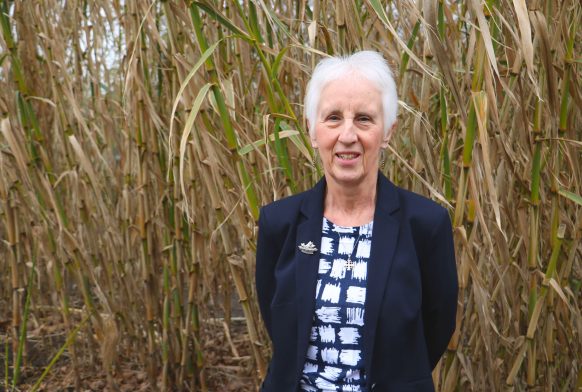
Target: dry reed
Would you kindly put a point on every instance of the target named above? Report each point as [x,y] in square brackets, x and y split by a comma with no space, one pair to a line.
[138,140]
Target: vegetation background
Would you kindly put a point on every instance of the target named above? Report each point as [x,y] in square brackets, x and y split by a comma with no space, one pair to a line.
[139,138]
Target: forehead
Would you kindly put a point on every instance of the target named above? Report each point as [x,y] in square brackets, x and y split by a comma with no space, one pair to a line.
[352,91]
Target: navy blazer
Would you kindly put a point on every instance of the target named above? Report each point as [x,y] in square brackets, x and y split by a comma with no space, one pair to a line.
[411,294]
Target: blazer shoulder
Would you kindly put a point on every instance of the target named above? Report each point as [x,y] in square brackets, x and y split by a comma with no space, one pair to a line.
[281,212]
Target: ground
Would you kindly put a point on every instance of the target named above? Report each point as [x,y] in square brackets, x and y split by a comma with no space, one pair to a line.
[224,371]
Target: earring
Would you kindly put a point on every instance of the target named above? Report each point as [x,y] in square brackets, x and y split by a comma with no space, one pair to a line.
[382,159]
[315,163]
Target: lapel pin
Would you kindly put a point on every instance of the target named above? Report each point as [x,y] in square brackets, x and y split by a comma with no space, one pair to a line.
[308,248]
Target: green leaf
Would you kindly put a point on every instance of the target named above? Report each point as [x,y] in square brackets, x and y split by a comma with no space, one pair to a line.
[405,55]
[277,62]
[570,195]
[191,74]
[188,129]
[290,133]
[221,19]
[2,58]
[274,18]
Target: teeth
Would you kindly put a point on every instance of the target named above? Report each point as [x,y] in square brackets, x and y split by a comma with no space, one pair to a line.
[347,156]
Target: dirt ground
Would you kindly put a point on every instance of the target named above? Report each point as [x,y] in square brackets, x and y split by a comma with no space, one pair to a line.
[228,363]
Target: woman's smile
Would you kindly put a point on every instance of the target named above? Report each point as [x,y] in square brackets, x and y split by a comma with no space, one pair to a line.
[348,158]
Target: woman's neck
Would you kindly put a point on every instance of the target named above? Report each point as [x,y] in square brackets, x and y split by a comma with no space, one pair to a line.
[349,206]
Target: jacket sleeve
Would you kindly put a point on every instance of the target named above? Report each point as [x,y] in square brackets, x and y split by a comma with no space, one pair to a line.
[267,254]
[439,289]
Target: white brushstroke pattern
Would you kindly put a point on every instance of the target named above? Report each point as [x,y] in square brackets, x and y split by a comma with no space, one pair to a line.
[330,355]
[307,388]
[325,226]
[326,245]
[327,334]
[338,271]
[312,352]
[331,293]
[363,250]
[352,375]
[336,334]
[328,314]
[349,335]
[324,266]
[346,245]
[366,230]
[360,271]
[350,357]
[344,229]
[331,373]
[356,295]
[314,335]
[309,367]
[322,383]
[355,316]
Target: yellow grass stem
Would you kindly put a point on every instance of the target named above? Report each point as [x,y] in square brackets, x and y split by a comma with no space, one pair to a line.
[23,333]
[470,135]
[70,340]
[446,168]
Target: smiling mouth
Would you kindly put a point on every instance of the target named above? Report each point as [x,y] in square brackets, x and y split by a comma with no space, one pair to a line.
[350,155]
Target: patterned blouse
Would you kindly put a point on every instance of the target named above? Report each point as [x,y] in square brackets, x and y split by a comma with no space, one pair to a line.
[334,360]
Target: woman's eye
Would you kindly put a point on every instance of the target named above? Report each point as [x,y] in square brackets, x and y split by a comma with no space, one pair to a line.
[333,117]
[364,119]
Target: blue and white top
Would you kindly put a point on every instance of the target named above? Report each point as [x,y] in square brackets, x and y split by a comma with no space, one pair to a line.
[334,360]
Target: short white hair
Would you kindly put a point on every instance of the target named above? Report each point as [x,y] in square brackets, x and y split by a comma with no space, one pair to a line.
[368,64]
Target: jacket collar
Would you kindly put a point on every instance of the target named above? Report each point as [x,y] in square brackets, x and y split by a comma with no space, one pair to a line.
[384,240]
[386,198]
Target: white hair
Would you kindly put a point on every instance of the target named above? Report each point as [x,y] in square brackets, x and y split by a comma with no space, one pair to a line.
[368,64]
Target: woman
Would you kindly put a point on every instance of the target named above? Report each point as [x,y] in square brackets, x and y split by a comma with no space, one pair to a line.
[356,278]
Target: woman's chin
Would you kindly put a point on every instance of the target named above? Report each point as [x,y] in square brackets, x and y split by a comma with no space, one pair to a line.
[351,177]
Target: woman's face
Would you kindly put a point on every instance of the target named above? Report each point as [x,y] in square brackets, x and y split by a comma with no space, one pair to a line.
[349,131]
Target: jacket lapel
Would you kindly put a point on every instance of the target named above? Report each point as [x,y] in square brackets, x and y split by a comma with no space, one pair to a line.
[307,266]
[384,241]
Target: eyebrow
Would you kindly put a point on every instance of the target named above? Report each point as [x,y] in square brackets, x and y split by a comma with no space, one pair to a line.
[367,113]
[325,113]
[370,113]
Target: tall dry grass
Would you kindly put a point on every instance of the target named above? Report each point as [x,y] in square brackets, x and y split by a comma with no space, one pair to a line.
[139,138]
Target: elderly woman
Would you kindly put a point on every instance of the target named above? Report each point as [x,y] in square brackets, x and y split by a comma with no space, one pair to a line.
[356,278]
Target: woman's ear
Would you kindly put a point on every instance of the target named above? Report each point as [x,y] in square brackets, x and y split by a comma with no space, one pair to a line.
[388,136]
[311,136]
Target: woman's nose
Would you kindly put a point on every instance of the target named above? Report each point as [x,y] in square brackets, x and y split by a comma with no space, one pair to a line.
[348,132]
